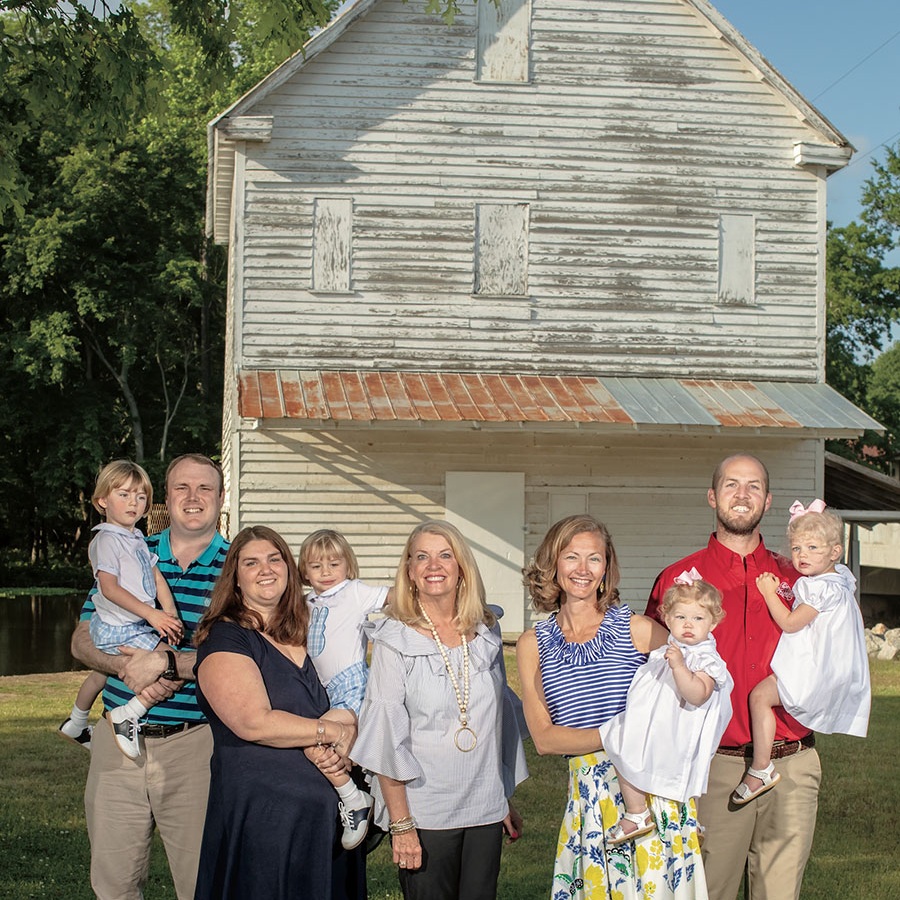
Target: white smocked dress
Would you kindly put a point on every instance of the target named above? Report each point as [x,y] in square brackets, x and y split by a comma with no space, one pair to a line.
[661,743]
[823,669]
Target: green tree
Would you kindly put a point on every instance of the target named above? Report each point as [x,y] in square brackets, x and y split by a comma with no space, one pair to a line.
[96,65]
[884,398]
[863,299]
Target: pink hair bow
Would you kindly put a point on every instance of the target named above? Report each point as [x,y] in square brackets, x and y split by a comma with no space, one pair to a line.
[689,577]
[798,509]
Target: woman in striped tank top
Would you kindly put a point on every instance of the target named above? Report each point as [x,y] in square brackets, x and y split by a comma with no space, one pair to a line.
[576,668]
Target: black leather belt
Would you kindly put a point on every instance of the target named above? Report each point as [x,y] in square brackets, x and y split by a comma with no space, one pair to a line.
[164,731]
[780,749]
[153,730]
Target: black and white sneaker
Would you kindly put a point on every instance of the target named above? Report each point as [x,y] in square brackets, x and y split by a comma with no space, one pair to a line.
[125,728]
[80,736]
[355,821]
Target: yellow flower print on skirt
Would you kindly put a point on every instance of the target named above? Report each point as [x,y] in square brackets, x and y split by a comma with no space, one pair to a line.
[663,864]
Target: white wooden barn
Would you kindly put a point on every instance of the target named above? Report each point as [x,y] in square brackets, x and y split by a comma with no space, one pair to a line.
[560,256]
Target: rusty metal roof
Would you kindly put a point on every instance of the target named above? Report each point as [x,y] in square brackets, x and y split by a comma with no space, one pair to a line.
[586,400]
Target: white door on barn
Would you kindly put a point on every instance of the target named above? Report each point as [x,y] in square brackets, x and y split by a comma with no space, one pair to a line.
[489,509]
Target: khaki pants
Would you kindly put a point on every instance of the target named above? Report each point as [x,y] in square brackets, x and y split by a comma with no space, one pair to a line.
[167,785]
[772,834]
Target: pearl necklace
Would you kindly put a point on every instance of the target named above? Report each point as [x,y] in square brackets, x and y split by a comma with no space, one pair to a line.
[464,732]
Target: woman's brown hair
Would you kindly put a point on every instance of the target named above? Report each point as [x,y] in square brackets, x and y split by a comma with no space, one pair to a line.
[540,576]
[289,621]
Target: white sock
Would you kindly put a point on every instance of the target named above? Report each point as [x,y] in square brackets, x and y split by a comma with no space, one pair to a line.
[79,717]
[350,794]
[136,708]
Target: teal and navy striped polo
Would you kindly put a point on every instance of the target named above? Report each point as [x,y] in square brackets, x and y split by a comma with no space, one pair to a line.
[192,589]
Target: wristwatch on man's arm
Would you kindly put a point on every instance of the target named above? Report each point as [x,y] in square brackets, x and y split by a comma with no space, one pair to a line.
[171,670]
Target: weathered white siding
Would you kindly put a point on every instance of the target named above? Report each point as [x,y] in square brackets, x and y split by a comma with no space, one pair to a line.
[376,484]
[639,128]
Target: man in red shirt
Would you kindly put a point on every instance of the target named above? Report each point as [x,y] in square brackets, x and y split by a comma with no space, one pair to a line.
[773,834]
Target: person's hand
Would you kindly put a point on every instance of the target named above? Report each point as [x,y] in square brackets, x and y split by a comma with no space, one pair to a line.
[768,580]
[674,657]
[141,668]
[161,690]
[348,739]
[166,626]
[512,825]
[407,849]
[329,761]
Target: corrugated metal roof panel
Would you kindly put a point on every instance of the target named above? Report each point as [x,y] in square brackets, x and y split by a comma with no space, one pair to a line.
[658,401]
[491,397]
[819,406]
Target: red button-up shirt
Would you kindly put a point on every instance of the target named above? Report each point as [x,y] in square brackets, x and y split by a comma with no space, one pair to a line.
[747,636]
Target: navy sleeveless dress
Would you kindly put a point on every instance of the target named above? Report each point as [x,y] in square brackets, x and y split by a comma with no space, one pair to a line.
[272,826]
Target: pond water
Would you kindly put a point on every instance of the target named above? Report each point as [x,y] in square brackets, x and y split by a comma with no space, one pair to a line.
[35,633]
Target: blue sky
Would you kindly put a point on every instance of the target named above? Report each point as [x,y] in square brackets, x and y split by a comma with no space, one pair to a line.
[815,43]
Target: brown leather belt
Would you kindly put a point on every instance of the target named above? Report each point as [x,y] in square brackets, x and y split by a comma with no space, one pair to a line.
[780,749]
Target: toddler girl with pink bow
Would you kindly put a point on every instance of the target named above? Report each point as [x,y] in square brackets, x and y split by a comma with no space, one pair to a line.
[678,706]
[820,666]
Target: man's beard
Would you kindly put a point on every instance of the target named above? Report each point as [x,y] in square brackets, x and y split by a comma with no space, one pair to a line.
[737,526]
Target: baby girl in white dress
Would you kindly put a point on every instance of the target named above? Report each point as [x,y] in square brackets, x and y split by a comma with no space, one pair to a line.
[821,670]
[678,707]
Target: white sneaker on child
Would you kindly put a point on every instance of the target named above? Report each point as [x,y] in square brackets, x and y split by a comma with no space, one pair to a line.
[80,736]
[355,821]
[125,728]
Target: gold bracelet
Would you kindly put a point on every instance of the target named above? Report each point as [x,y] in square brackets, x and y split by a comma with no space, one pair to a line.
[401,826]
[320,733]
[334,744]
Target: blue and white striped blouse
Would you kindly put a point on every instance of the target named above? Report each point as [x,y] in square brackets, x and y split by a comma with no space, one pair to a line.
[586,684]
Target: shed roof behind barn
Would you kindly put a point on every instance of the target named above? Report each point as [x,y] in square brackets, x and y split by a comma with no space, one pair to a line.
[848,485]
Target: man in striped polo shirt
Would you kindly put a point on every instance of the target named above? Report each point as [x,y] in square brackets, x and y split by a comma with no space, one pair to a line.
[168,784]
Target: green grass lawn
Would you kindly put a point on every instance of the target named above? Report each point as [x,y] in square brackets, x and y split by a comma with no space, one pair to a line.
[44,849]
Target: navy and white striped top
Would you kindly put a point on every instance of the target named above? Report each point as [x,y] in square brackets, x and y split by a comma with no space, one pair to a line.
[586,684]
[192,588]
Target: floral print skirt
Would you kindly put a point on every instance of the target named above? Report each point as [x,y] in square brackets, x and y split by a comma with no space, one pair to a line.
[662,864]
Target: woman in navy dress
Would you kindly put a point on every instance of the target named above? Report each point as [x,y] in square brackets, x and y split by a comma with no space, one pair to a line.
[272,825]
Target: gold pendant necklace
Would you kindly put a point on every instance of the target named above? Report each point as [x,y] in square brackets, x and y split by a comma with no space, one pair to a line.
[465,738]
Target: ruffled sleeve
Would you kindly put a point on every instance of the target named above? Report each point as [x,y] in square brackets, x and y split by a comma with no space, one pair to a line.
[708,661]
[824,592]
[513,726]
[383,745]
